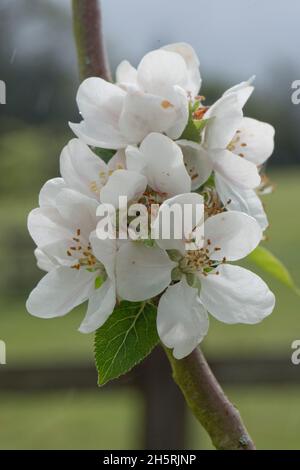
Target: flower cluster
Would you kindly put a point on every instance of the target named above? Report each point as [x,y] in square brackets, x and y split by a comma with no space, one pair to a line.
[170,148]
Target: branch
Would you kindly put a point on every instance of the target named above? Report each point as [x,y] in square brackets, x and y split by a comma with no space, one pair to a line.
[91,54]
[208,402]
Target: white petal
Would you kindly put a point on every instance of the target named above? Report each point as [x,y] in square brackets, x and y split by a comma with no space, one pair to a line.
[50,191]
[182,321]
[197,162]
[144,113]
[235,169]
[105,251]
[46,226]
[255,140]
[43,261]
[242,91]
[81,169]
[235,233]
[78,210]
[107,138]
[96,95]
[165,169]
[100,104]
[225,119]
[59,291]
[123,183]
[126,73]
[101,305]
[178,225]
[58,250]
[181,106]
[142,272]
[242,200]
[236,295]
[192,62]
[160,70]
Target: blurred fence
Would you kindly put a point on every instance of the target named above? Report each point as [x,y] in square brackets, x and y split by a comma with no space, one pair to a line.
[164,417]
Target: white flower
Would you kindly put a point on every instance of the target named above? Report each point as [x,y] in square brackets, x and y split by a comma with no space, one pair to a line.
[230,293]
[79,266]
[183,60]
[82,171]
[158,163]
[143,117]
[225,118]
[254,142]
[233,146]
[153,98]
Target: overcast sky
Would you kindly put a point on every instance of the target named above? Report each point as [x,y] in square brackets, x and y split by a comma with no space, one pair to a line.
[234,38]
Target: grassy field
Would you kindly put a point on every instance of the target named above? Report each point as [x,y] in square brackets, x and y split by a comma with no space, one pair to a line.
[76,420]
[112,420]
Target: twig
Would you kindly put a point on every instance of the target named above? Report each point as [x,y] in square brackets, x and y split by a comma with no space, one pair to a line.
[91,54]
[208,402]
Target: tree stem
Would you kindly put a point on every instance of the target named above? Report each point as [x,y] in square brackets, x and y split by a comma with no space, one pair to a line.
[208,402]
[91,54]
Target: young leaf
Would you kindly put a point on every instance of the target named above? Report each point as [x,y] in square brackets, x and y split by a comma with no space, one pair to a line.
[273,266]
[126,338]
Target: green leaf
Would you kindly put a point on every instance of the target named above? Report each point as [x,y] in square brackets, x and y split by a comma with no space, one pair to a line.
[273,266]
[126,338]
[105,154]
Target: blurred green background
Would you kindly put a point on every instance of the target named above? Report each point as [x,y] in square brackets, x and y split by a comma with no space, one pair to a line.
[41,88]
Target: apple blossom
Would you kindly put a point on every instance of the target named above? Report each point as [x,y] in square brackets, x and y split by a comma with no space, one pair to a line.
[254,142]
[227,136]
[145,117]
[224,120]
[183,59]
[205,281]
[151,98]
[79,266]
